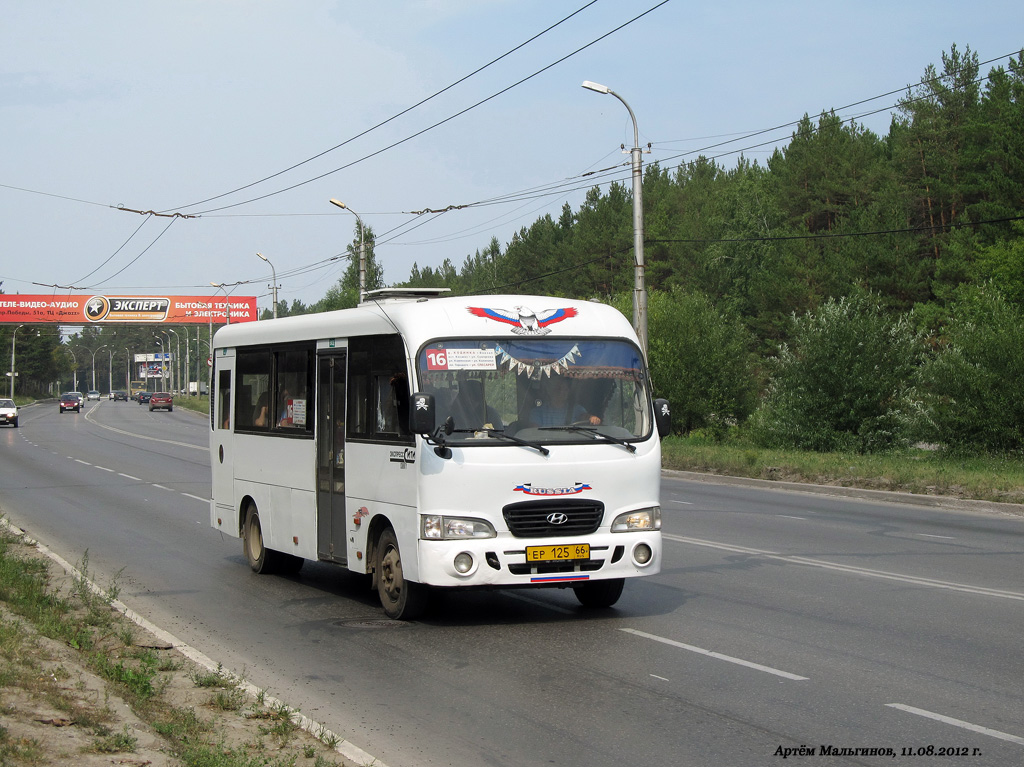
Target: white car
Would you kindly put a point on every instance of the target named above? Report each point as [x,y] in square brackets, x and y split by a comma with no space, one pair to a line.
[9,412]
[93,394]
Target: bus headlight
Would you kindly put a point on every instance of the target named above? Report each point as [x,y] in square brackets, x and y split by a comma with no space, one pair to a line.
[641,519]
[435,527]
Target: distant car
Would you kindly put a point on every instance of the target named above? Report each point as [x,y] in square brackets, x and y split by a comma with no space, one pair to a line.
[92,394]
[81,397]
[9,412]
[161,399]
[119,395]
[70,401]
[143,397]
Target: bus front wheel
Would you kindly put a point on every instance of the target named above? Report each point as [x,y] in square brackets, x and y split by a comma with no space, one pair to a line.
[600,593]
[401,599]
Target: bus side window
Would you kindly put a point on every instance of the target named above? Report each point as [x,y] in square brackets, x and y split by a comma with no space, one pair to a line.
[223,399]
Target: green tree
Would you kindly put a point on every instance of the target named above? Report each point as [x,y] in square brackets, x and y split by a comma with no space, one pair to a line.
[700,360]
[974,382]
[344,294]
[845,383]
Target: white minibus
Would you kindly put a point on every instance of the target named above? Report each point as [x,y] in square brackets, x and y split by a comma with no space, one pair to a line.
[441,442]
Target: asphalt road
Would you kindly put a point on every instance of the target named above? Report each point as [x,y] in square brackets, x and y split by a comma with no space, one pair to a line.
[780,620]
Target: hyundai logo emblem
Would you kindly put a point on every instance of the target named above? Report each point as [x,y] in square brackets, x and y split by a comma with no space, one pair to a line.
[557,518]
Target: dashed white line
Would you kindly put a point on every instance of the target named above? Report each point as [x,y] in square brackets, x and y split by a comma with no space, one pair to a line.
[79,460]
[958,723]
[944,537]
[684,503]
[718,655]
[162,487]
[787,516]
[128,476]
[795,560]
[104,468]
[196,497]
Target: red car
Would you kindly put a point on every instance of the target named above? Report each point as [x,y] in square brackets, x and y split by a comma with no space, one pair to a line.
[160,400]
[70,401]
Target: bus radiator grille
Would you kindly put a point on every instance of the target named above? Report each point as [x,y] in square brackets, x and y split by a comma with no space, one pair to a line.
[565,517]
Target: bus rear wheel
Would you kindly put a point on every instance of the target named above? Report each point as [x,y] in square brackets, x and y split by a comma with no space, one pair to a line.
[600,593]
[261,559]
[401,599]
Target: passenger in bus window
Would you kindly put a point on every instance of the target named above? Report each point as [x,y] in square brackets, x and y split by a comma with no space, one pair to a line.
[259,413]
[284,417]
[553,409]
[470,408]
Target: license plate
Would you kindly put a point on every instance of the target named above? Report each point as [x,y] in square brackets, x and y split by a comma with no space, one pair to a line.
[566,553]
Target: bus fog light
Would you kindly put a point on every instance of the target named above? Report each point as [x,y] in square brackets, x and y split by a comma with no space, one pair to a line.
[464,562]
[642,554]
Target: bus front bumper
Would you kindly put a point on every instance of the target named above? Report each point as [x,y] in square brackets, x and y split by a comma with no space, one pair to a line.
[506,561]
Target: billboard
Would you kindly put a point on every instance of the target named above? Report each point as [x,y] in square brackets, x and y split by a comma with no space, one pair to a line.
[91,309]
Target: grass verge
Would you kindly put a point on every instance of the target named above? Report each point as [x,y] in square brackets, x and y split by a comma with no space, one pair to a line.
[79,683]
[916,470]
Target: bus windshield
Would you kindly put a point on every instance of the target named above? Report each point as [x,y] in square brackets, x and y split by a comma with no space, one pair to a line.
[537,389]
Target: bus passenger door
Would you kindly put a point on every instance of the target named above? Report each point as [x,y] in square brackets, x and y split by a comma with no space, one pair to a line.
[330,448]
[223,512]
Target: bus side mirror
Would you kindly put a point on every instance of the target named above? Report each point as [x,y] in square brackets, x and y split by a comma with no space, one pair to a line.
[662,417]
[422,413]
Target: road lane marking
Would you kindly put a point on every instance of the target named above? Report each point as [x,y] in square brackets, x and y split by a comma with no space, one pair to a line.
[787,516]
[196,497]
[128,476]
[104,468]
[852,569]
[162,487]
[79,460]
[944,537]
[958,723]
[663,679]
[717,655]
[685,503]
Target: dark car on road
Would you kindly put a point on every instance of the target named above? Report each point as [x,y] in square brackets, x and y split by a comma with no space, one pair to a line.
[70,402]
[143,397]
[160,400]
[119,395]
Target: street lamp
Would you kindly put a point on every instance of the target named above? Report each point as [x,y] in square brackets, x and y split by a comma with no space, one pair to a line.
[639,290]
[94,365]
[74,371]
[163,375]
[14,337]
[227,303]
[273,287]
[176,369]
[362,248]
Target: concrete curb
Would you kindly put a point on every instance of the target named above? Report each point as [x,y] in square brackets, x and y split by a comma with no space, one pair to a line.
[882,496]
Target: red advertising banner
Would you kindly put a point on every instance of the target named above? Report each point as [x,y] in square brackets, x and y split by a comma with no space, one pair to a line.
[97,309]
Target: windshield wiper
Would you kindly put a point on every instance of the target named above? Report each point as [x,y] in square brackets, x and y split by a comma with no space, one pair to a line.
[502,435]
[592,430]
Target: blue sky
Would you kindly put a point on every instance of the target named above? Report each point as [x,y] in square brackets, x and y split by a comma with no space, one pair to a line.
[159,106]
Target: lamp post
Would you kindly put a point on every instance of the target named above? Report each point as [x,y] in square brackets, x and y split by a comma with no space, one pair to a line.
[227,303]
[74,370]
[639,289]
[128,370]
[362,248]
[110,370]
[176,369]
[273,275]
[163,375]
[94,365]
[14,337]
